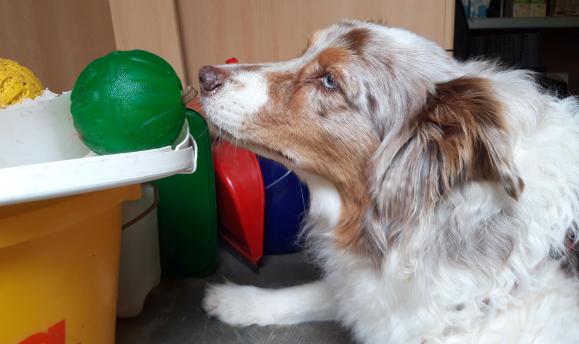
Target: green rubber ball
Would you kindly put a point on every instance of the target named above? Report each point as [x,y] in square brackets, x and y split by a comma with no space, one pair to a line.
[127,101]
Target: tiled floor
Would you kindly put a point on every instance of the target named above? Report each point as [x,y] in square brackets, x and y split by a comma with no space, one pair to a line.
[172,313]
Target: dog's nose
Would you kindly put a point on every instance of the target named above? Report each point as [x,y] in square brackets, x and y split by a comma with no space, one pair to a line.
[211,78]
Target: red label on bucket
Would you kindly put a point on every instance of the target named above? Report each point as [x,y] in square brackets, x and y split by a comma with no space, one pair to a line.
[56,334]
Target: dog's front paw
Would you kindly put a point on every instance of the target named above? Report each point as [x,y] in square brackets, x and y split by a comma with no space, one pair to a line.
[238,305]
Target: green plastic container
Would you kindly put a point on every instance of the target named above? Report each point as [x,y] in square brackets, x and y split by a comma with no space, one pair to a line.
[187,213]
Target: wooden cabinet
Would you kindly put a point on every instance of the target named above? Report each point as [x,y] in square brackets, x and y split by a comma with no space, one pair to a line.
[57,38]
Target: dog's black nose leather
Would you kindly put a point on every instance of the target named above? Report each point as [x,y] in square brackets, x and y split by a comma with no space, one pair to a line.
[211,78]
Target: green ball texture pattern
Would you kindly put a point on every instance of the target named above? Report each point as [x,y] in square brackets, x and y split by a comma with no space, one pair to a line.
[127,101]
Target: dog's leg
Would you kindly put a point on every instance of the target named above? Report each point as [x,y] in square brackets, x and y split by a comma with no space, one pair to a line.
[247,305]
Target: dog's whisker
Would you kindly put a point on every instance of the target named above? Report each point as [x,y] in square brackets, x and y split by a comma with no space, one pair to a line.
[203,132]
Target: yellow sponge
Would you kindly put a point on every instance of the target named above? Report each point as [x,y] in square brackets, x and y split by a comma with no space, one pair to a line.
[17,83]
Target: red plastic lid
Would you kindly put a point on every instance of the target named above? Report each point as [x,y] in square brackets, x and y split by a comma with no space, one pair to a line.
[240,199]
[231,60]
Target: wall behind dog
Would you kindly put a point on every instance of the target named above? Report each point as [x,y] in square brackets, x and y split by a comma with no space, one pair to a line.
[275,30]
[55,38]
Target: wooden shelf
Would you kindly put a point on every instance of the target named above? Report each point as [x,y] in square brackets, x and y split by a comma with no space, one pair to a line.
[530,23]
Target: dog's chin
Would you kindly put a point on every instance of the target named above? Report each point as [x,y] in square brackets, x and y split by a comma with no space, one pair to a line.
[271,154]
[256,148]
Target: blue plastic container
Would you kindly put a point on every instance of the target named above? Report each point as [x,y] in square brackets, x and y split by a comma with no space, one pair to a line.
[286,202]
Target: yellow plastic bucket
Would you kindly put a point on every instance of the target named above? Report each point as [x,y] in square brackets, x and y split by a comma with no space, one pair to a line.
[59,261]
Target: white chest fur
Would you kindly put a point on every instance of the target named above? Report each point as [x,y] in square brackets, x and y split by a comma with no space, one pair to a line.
[325,202]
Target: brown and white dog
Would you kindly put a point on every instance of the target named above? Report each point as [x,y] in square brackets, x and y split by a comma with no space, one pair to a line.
[442,193]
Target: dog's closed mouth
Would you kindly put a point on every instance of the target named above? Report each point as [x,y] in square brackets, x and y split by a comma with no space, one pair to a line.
[259,149]
[267,152]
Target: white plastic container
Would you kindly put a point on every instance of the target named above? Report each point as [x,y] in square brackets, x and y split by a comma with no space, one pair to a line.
[42,131]
[140,269]
[42,157]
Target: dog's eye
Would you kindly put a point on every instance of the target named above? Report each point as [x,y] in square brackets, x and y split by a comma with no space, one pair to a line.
[328,81]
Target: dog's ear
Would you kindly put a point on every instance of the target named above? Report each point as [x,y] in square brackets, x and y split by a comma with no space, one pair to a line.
[459,135]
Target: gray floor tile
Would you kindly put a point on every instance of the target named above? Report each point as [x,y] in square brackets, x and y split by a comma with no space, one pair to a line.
[172,312]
